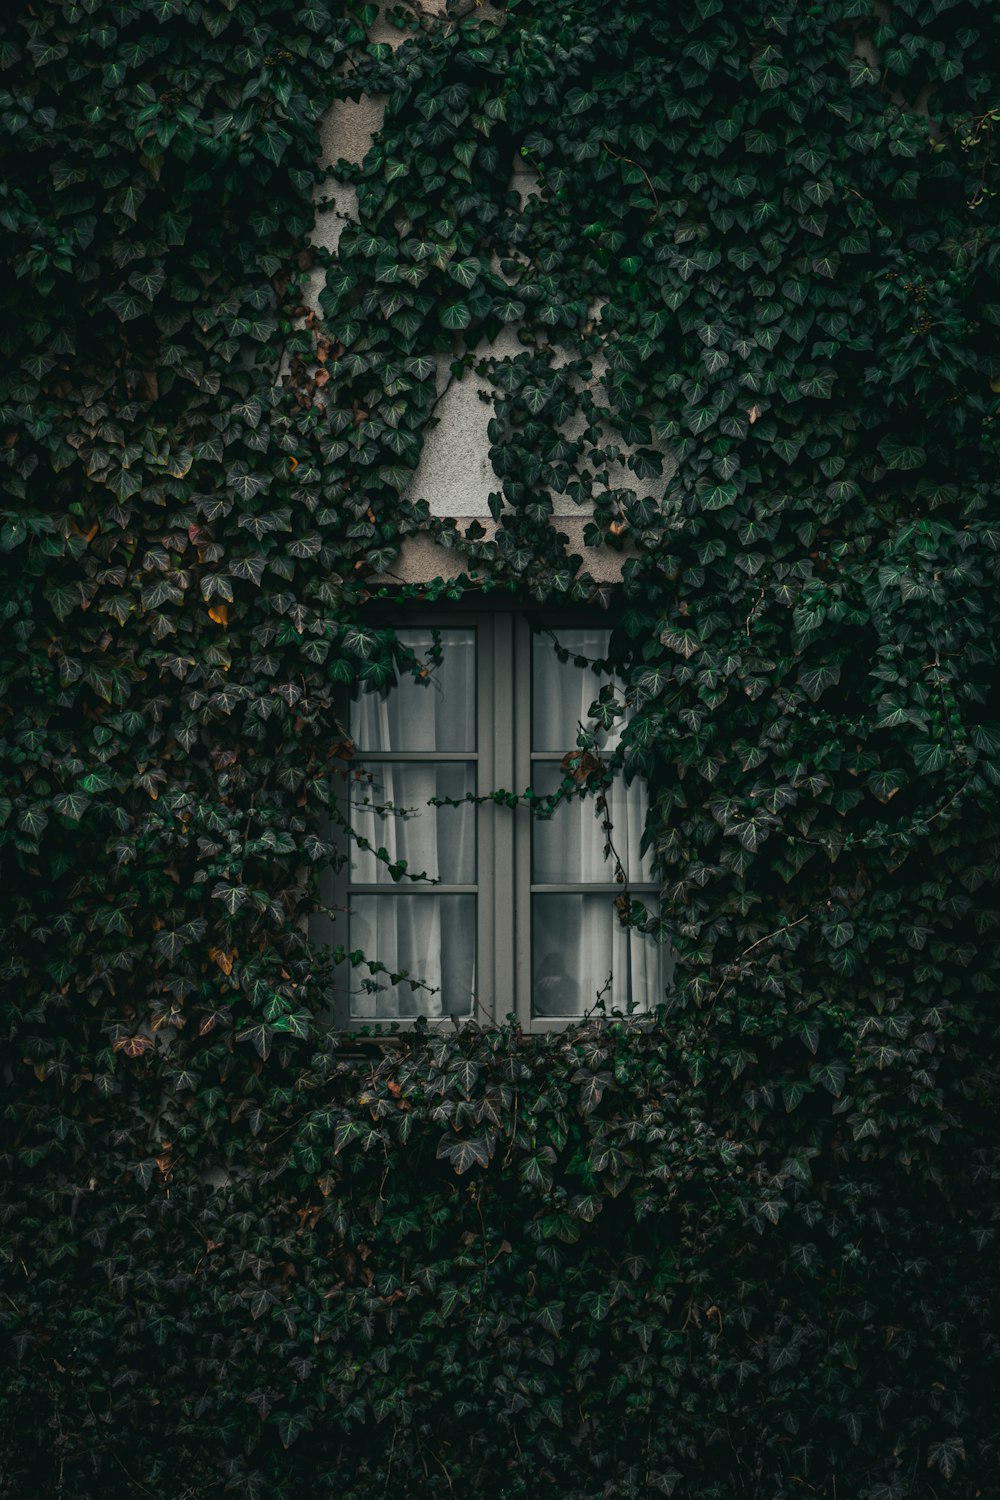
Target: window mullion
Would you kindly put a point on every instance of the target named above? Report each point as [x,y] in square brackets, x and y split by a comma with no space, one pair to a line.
[335,893]
[497,749]
[521,741]
[485,844]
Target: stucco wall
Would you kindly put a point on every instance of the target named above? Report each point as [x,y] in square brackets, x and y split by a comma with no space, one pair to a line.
[455,475]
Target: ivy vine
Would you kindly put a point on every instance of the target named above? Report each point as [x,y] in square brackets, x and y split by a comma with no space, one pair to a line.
[747,319]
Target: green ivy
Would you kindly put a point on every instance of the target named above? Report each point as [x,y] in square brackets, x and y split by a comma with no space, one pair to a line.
[746,1247]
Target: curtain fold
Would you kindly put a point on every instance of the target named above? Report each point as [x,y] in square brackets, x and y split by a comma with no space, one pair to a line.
[580,949]
[403,928]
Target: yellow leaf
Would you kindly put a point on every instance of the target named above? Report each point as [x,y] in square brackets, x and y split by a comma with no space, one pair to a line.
[995,384]
[132,1046]
[223,959]
[219,613]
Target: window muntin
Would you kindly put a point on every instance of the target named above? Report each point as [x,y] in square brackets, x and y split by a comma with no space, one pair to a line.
[392,810]
[562,691]
[523,916]
[433,937]
[581,955]
[569,845]
[436,714]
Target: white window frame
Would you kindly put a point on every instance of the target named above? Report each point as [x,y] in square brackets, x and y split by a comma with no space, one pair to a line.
[503,886]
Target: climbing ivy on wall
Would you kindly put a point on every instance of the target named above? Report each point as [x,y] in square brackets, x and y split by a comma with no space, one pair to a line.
[746,1246]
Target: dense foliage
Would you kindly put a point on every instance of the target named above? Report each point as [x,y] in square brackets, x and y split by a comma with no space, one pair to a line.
[748,1247]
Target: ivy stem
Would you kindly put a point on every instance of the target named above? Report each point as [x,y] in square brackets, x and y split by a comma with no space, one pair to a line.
[747,951]
[619,157]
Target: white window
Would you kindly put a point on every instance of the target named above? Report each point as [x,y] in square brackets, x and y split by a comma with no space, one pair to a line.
[479,908]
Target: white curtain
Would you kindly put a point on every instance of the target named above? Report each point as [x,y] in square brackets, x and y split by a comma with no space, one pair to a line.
[577,938]
[580,949]
[403,929]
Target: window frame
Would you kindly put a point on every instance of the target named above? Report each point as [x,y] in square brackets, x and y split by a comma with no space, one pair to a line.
[503,886]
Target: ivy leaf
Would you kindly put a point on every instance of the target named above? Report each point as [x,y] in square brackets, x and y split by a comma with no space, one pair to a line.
[233,897]
[816,680]
[465,1072]
[700,418]
[592,1086]
[465,1154]
[831,1076]
[170,943]
[839,934]
[129,200]
[596,1305]
[291,1426]
[717,496]
[360,642]
[456,315]
[148,283]
[754,831]
[127,305]
[245,484]
[649,684]
[466,273]
[259,1035]
[930,756]
[71,805]
[33,821]
[259,1299]
[899,455]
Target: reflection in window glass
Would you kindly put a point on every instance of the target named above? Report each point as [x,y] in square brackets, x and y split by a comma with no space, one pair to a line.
[407,933]
[561,693]
[435,713]
[569,846]
[439,842]
[411,928]
[581,953]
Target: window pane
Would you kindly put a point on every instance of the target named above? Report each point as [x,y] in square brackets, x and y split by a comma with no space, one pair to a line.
[580,951]
[406,933]
[561,693]
[569,846]
[436,713]
[389,808]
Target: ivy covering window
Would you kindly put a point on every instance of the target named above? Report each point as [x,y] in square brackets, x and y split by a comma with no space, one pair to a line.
[481,906]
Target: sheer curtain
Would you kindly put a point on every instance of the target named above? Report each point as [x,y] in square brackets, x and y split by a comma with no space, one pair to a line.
[403,922]
[581,951]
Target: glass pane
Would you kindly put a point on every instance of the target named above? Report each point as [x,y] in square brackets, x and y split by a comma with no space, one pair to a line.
[436,713]
[569,846]
[407,933]
[389,808]
[561,693]
[581,952]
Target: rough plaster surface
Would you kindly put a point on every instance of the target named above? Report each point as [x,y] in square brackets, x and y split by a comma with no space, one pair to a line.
[337,209]
[421,558]
[349,127]
[455,475]
[524,181]
[347,133]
